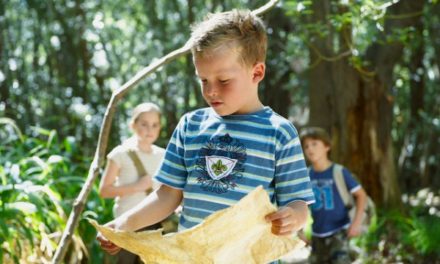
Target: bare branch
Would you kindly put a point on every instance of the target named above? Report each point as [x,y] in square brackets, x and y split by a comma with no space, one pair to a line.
[264,9]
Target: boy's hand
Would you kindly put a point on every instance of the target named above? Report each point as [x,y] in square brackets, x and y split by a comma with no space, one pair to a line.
[106,244]
[354,230]
[283,221]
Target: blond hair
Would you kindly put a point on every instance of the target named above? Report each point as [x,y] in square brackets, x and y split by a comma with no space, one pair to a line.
[233,29]
[143,108]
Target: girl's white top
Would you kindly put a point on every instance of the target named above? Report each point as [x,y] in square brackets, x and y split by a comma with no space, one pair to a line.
[128,173]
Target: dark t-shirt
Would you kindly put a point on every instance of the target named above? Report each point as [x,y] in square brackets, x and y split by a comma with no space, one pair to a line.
[328,212]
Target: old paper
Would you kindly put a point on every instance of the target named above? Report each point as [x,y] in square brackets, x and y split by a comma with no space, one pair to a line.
[238,234]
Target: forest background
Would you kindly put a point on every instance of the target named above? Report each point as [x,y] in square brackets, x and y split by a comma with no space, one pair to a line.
[366,70]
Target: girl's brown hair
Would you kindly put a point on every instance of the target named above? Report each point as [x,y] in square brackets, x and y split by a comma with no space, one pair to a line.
[316,133]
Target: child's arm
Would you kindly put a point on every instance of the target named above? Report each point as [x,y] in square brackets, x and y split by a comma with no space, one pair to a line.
[108,190]
[156,207]
[361,202]
[289,219]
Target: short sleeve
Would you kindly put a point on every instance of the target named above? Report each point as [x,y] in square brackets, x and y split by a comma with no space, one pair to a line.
[292,182]
[352,184]
[173,171]
[116,156]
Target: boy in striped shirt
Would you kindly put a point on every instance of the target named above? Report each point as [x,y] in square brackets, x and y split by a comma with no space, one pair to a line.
[219,154]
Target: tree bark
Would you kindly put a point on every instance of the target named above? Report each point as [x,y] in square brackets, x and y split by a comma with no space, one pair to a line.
[275,90]
[321,87]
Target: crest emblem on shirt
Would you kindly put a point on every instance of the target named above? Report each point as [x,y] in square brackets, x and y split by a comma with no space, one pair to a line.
[219,167]
[220,164]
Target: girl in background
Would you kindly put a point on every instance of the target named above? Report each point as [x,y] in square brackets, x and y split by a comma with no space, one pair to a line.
[136,155]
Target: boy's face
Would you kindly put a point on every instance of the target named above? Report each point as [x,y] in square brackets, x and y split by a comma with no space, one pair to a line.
[147,127]
[315,150]
[228,86]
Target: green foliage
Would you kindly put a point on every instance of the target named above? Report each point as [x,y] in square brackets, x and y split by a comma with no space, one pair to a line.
[425,233]
[40,178]
[61,60]
[11,129]
[411,237]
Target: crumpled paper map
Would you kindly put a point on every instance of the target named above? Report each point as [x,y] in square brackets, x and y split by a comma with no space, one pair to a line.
[238,234]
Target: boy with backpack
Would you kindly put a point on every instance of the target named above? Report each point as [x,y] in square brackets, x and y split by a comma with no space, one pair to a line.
[332,227]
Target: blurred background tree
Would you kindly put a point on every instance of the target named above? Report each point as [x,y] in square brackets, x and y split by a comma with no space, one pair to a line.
[367,71]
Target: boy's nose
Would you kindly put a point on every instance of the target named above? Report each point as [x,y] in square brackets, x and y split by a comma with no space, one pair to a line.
[211,90]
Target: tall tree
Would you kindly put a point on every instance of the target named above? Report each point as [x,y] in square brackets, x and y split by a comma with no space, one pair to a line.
[412,146]
[355,103]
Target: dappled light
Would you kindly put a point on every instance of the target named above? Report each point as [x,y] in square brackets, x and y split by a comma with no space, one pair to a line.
[365,71]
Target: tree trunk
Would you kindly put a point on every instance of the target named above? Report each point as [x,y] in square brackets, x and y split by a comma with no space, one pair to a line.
[410,165]
[356,108]
[321,88]
[276,91]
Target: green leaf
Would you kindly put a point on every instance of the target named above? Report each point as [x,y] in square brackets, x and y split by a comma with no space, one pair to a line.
[25,207]
[11,122]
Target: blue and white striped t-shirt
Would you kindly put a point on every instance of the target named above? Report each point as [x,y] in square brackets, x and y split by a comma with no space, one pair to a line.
[216,160]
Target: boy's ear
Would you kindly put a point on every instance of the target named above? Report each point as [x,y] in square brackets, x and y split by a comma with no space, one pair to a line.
[258,72]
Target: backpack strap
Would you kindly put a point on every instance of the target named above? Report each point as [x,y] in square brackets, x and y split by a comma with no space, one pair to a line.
[137,163]
[139,166]
[338,177]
